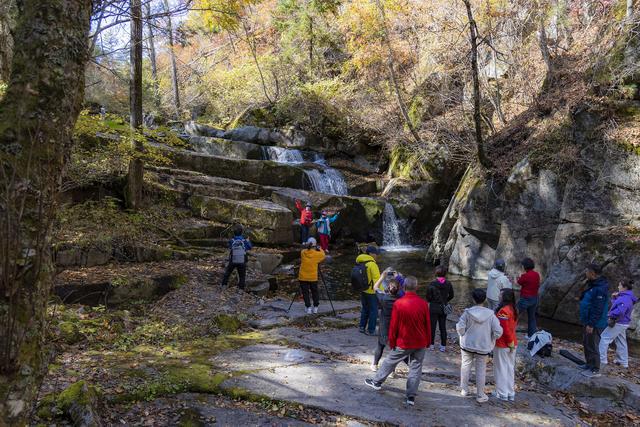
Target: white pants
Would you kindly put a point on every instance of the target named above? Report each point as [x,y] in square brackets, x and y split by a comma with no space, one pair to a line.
[481,371]
[504,365]
[618,334]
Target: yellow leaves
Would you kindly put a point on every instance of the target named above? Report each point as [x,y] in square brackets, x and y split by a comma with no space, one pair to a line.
[222,15]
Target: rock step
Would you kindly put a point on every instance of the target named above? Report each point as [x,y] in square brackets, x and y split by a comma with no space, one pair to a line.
[286,138]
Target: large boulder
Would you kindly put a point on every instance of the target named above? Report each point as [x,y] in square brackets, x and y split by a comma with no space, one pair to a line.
[265,221]
[226,148]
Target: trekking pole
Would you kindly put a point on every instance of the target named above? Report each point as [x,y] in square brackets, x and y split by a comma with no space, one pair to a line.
[326,288]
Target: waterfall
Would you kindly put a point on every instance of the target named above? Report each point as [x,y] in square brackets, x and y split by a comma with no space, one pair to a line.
[283,155]
[329,181]
[390,227]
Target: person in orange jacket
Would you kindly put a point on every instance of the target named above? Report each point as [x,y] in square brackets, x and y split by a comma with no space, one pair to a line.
[504,354]
[310,257]
[306,220]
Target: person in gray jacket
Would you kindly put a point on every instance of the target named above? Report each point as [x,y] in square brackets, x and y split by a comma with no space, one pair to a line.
[478,329]
[497,281]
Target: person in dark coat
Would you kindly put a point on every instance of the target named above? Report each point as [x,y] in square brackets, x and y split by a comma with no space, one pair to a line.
[386,307]
[594,303]
[439,293]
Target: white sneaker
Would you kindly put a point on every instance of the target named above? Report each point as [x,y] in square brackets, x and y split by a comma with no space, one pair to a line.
[374,367]
[308,310]
[443,348]
[432,348]
[464,393]
[315,310]
[482,399]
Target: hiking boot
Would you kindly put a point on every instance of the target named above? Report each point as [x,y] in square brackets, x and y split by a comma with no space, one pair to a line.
[411,401]
[442,349]
[482,399]
[371,383]
[308,310]
[315,310]
[594,373]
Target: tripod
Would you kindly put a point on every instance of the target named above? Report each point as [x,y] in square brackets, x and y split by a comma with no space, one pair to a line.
[326,288]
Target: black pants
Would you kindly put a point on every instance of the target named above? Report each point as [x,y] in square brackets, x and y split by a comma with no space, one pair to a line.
[305,286]
[441,320]
[591,343]
[242,274]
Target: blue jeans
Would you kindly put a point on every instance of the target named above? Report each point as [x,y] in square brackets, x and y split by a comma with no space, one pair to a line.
[530,304]
[369,311]
[304,233]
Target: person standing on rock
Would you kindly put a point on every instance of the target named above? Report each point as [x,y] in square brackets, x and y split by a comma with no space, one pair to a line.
[594,302]
[324,229]
[306,220]
[238,248]
[504,354]
[409,337]
[369,310]
[386,301]
[478,329]
[439,294]
[310,258]
[619,320]
[529,282]
[497,281]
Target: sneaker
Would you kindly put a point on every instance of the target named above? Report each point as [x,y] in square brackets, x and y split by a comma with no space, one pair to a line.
[373,384]
[361,330]
[315,310]
[482,399]
[411,401]
[594,373]
[464,393]
[374,367]
[432,348]
[372,334]
[443,349]
[309,310]
[584,367]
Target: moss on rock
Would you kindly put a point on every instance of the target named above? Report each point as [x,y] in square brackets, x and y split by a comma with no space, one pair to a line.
[227,323]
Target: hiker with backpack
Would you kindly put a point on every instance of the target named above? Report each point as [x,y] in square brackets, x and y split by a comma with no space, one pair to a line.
[238,246]
[310,258]
[478,329]
[619,320]
[363,276]
[504,354]
[439,294]
[409,335]
[323,225]
[306,220]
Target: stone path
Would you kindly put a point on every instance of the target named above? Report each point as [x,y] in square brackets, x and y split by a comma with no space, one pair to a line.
[327,369]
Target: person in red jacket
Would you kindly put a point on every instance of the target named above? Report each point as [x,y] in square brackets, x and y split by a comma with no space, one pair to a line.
[306,219]
[504,354]
[409,337]
[529,282]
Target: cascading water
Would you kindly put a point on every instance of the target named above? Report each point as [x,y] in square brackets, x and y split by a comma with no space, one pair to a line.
[283,155]
[328,181]
[390,227]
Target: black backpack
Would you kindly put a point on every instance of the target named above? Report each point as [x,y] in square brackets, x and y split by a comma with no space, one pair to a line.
[359,277]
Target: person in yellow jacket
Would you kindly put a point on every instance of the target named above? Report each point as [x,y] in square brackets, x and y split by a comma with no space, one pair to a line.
[369,311]
[310,257]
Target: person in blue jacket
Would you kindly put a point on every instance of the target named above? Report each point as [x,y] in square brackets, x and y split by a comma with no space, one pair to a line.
[324,229]
[238,248]
[594,303]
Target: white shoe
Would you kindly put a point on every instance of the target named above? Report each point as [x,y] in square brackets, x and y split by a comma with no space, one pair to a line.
[315,310]
[443,348]
[482,399]
[308,310]
[374,367]
[432,348]
[464,393]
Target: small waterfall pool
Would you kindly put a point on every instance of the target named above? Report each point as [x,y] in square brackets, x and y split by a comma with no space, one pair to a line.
[392,232]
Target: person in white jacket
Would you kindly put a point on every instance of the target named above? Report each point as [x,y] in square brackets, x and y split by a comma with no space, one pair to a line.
[496,283]
[478,329]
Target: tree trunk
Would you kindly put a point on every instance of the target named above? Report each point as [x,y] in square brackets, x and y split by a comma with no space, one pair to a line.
[544,49]
[174,66]
[136,171]
[152,58]
[477,114]
[393,77]
[37,116]
[629,9]
[7,21]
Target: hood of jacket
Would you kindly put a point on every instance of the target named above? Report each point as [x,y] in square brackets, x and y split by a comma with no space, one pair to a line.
[479,314]
[364,258]
[599,282]
[494,273]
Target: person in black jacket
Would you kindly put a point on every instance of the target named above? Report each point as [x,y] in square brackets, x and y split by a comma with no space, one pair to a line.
[386,307]
[439,293]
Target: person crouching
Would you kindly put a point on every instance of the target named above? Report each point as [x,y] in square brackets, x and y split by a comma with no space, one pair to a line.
[310,257]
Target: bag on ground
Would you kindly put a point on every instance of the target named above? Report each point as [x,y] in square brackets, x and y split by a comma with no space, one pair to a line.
[540,344]
[238,252]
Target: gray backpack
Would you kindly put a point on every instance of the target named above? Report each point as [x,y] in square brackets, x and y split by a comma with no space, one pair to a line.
[238,252]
